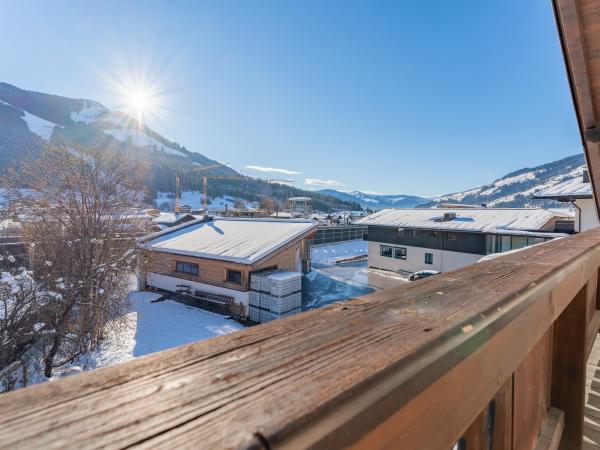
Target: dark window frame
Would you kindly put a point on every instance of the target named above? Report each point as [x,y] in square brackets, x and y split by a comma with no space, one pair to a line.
[428,258]
[231,280]
[451,236]
[187,268]
[433,234]
[381,247]
[401,251]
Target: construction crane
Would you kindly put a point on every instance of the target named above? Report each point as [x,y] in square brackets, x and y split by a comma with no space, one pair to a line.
[205,179]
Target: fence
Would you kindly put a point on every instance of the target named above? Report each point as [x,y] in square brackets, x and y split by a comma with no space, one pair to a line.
[329,234]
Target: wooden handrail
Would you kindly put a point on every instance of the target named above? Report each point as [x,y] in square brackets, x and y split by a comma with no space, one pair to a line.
[415,367]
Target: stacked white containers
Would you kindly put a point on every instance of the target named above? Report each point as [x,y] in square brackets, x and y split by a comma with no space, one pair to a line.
[274,294]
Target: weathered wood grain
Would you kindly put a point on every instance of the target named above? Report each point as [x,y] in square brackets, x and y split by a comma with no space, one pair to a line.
[395,361]
[552,430]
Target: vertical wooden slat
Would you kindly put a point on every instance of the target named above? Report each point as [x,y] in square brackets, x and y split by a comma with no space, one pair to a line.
[498,415]
[532,381]
[502,437]
[568,369]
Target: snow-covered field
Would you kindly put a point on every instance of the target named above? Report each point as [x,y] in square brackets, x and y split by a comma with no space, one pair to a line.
[152,327]
[330,253]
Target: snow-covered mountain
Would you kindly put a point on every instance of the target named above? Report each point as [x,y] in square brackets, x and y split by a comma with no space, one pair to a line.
[29,120]
[516,188]
[377,201]
[512,190]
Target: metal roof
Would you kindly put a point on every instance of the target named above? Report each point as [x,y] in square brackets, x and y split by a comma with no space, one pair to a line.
[242,241]
[489,220]
[570,189]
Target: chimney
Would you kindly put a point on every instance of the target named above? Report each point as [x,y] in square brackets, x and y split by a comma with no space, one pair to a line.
[586,175]
[448,216]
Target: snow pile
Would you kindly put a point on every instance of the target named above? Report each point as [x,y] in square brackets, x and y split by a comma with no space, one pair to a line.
[330,253]
[42,127]
[141,139]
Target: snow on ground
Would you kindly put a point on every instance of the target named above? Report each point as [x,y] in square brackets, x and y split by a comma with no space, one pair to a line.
[42,127]
[141,139]
[89,113]
[194,200]
[330,253]
[151,327]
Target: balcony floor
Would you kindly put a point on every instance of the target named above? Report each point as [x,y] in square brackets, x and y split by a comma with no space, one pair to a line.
[591,428]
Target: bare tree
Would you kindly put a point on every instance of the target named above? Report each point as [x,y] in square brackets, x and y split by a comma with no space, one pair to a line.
[80,217]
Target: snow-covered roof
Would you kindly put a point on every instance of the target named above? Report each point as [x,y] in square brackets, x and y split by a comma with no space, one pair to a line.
[169,217]
[570,189]
[238,240]
[485,220]
[284,215]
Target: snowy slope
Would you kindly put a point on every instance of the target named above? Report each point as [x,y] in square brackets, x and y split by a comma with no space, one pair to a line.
[43,128]
[141,139]
[516,188]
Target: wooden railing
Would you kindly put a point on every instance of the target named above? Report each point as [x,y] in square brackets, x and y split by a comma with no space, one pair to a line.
[491,356]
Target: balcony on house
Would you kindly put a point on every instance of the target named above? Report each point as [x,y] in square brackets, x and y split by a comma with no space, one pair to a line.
[497,355]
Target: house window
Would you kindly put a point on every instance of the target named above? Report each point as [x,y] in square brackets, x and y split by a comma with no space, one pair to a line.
[400,253]
[415,233]
[184,267]
[400,232]
[385,250]
[428,258]
[234,276]
[433,235]
[451,236]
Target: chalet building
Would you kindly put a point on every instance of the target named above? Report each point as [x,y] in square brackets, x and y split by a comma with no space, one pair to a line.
[578,192]
[410,240]
[214,258]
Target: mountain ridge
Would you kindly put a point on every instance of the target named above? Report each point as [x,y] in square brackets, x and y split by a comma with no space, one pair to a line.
[514,189]
[29,120]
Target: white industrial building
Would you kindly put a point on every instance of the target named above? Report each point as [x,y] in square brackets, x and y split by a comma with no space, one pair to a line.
[410,240]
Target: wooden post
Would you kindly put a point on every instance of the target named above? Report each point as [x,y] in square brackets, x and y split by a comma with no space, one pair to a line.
[568,369]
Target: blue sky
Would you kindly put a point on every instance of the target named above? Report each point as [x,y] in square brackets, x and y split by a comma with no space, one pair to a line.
[413,97]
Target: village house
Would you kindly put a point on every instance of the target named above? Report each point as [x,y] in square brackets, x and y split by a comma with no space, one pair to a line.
[410,240]
[577,192]
[213,259]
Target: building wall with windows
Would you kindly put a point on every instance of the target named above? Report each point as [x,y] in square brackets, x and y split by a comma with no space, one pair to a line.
[414,258]
[412,250]
[167,271]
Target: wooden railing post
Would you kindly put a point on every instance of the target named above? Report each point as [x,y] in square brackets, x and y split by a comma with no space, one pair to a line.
[568,369]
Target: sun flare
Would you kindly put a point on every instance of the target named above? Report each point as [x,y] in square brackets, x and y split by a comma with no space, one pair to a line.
[140,102]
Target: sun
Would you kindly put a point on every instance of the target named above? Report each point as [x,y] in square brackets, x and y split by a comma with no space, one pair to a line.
[140,101]
[140,91]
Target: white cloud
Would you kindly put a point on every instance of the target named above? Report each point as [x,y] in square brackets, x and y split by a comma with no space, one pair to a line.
[286,181]
[323,183]
[273,170]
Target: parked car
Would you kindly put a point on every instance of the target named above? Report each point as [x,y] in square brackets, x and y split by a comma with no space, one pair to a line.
[422,274]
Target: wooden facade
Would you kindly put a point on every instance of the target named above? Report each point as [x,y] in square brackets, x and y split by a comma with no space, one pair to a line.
[214,271]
